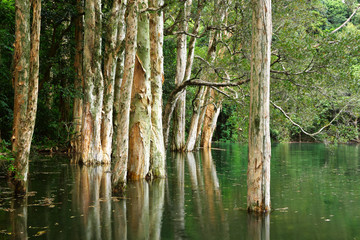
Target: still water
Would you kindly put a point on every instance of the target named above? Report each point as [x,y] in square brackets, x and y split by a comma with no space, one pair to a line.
[315,194]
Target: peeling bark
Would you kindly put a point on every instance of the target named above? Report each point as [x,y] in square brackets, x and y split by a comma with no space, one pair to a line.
[157,148]
[94,85]
[112,36]
[258,174]
[198,106]
[79,79]
[26,80]
[178,141]
[122,111]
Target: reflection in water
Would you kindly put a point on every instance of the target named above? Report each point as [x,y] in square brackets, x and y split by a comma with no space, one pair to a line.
[86,210]
[258,226]
[18,218]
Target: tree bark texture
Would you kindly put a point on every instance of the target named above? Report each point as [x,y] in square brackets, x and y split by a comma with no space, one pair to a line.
[258,174]
[198,105]
[94,85]
[110,61]
[178,141]
[122,108]
[79,79]
[210,119]
[26,81]
[157,148]
[140,114]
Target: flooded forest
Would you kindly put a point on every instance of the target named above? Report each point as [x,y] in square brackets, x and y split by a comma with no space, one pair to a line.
[194,119]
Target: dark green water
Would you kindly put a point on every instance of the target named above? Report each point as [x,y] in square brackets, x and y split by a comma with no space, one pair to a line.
[315,193]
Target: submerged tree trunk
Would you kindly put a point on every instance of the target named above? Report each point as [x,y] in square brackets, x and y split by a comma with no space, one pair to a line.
[109,77]
[258,174]
[122,108]
[178,141]
[94,85]
[25,80]
[140,114]
[79,79]
[157,148]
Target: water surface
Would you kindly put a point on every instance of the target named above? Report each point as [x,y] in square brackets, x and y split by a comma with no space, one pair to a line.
[315,194]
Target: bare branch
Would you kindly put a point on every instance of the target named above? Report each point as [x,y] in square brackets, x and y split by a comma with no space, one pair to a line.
[347,20]
[305,132]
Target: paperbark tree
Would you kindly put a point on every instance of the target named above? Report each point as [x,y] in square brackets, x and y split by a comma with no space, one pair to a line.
[140,114]
[110,61]
[157,148]
[211,115]
[178,142]
[258,174]
[79,79]
[122,108]
[26,81]
[94,85]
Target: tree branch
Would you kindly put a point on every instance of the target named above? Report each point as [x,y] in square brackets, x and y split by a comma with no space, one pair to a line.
[347,20]
[305,132]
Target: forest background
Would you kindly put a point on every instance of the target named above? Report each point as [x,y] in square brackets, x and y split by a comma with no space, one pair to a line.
[315,69]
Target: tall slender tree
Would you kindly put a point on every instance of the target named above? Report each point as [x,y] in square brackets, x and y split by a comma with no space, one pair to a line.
[178,142]
[94,85]
[25,81]
[140,114]
[157,148]
[79,78]
[258,174]
[122,111]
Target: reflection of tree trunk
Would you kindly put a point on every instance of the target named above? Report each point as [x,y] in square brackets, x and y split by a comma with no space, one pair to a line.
[179,206]
[193,171]
[140,114]
[92,199]
[212,186]
[138,210]
[105,204]
[157,197]
[120,220]
[157,148]
[18,219]
[259,227]
[258,174]
[122,112]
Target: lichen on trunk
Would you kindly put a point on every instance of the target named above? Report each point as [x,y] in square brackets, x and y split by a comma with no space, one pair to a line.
[258,174]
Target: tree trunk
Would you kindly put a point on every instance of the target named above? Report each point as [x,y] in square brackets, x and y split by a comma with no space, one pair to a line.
[94,85]
[198,105]
[122,107]
[178,141]
[109,77]
[258,174]
[79,79]
[26,80]
[210,120]
[157,148]
[140,114]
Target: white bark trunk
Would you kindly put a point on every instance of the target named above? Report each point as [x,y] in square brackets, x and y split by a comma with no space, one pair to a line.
[122,111]
[140,114]
[157,148]
[258,175]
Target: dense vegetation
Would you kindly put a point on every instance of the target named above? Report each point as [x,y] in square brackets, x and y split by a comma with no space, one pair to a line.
[315,72]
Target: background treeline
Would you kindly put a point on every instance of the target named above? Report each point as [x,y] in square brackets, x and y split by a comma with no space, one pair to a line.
[315,71]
